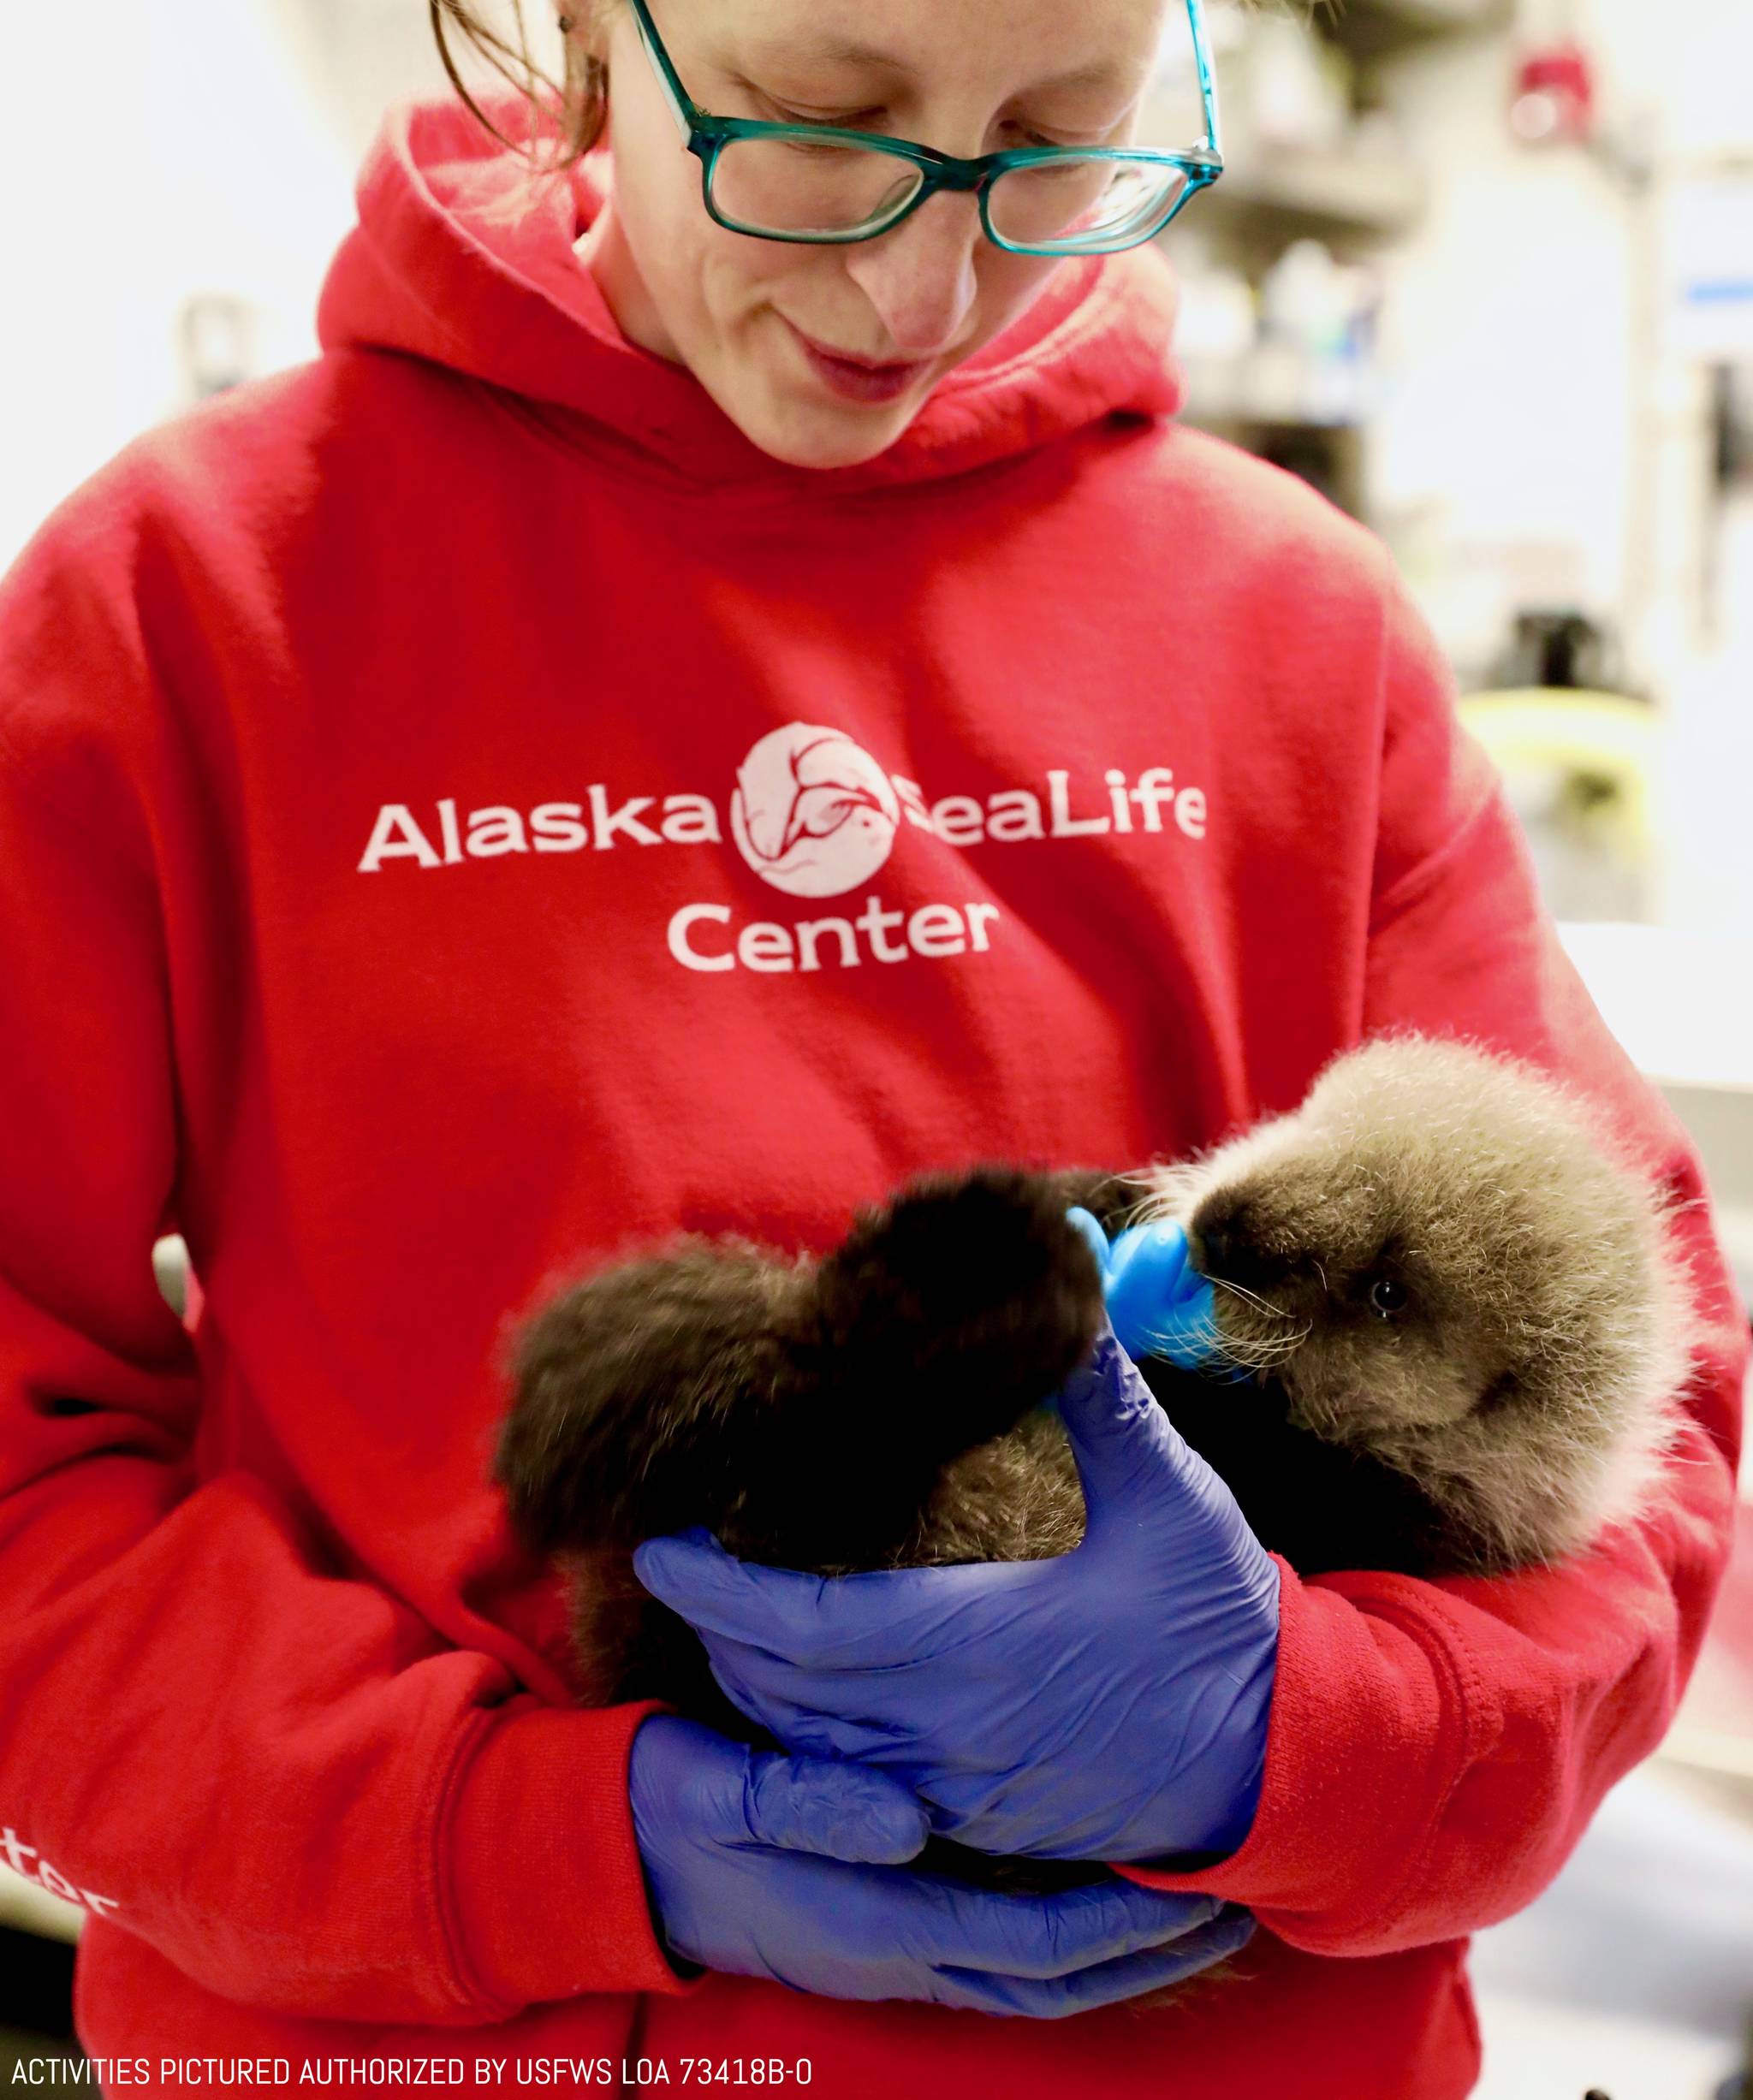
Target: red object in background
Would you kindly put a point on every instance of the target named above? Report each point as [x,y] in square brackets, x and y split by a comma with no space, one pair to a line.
[1552,102]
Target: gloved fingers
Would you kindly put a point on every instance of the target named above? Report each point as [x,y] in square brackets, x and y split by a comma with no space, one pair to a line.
[816,1730]
[841,1812]
[1106,1983]
[1157,1304]
[907,1716]
[684,1775]
[1038,1936]
[881,1620]
[1128,1452]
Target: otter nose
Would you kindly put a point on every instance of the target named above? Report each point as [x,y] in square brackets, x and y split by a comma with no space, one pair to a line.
[1225,1237]
[1217,1245]
[1219,1235]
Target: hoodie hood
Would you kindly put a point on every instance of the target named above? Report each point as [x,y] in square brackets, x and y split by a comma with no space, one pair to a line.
[457,259]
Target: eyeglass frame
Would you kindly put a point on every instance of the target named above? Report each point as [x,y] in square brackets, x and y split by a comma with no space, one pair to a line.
[706,137]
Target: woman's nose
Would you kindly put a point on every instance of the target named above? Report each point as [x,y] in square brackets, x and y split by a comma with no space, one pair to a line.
[921,276]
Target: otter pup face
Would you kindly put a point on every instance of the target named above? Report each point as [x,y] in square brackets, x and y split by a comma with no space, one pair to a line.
[1434,1256]
[1332,1276]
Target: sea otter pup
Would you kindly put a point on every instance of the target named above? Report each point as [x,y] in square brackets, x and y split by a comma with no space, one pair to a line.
[1457,1323]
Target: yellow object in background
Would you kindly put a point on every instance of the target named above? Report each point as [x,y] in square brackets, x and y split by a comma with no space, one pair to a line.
[1579,767]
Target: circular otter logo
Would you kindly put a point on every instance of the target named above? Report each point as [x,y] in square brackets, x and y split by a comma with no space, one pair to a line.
[813,814]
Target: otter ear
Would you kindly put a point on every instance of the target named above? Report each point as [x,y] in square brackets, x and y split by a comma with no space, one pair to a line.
[635,1394]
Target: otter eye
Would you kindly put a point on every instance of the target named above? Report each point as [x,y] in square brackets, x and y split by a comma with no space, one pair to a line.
[1387,1297]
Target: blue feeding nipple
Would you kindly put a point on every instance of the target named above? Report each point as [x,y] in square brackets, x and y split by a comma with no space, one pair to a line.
[1158,1304]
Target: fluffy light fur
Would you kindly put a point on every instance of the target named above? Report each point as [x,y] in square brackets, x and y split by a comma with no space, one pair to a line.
[1529,1382]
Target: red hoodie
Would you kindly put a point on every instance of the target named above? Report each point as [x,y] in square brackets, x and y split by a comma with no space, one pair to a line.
[425,877]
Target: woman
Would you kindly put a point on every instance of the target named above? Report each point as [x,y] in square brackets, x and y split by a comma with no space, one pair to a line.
[596,753]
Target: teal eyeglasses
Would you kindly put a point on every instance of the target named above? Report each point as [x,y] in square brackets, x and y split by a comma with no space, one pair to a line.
[816,182]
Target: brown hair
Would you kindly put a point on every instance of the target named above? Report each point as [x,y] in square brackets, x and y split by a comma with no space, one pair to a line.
[572,115]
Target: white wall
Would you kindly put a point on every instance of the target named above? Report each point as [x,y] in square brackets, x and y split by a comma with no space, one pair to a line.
[372,52]
[148,152]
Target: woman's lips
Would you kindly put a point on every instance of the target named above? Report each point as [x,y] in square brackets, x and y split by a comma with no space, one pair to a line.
[855,382]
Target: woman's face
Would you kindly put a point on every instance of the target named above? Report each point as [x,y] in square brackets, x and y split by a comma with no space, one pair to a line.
[966,76]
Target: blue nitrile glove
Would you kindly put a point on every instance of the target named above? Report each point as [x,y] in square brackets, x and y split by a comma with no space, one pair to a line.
[793,1869]
[1110,1704]
[1158,1304]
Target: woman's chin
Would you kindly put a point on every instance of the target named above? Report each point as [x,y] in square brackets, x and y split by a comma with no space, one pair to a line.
[829,439]
[794,417]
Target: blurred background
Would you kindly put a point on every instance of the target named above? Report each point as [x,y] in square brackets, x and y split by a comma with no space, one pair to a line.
[1482,272]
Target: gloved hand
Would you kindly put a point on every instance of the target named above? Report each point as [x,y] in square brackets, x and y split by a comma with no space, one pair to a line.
[1110,1704]
[787,1868]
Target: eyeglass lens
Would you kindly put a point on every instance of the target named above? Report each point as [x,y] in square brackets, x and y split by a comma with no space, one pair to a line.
[800,187]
